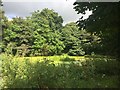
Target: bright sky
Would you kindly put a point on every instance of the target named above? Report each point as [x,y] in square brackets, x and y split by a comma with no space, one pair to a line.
[23,8]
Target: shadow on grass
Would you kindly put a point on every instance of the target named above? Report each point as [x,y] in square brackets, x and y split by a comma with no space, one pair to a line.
[92,73]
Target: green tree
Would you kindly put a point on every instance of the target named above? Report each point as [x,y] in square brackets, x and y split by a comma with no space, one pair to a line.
[3,25]
[39,32]
[1,32]
[104,21]
[70,37]
[78,41]
[89,41]
[46,27]
[18,32]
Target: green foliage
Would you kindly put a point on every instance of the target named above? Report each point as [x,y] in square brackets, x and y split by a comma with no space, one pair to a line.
[46,35]
[70,37]
[109,67]
[18,73]
[67,59]
[104,22]
[9,48]
[78,42]
[40,32]
[38,75]
[43,35]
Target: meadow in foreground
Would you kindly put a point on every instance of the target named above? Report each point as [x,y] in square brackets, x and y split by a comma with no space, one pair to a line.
[59,72]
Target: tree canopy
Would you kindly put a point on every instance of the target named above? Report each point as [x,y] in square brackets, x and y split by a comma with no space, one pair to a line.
[104,22]
[42,33]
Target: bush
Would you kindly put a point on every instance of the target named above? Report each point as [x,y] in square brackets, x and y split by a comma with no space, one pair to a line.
[67,59]
[106,66]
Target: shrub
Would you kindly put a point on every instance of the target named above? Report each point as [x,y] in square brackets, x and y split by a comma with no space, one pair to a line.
[106,66]
[67,59]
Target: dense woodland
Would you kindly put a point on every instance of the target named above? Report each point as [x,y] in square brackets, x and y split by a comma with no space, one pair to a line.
[43,32]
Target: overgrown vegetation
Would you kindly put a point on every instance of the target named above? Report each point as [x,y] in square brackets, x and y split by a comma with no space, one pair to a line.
[91,73]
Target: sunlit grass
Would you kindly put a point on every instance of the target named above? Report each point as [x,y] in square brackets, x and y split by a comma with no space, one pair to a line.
[55,59]
[105,75]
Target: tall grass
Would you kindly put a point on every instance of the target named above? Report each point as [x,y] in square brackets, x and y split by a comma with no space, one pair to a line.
[44,73]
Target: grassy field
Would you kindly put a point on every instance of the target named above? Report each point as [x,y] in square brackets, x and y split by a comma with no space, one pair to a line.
[68,72]
[54,59]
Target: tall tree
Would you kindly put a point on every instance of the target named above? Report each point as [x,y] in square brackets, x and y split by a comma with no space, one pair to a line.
[3,25]
[1,14]
[47,25]
[77,42]
[104,21]
[18,33]
[70,37]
